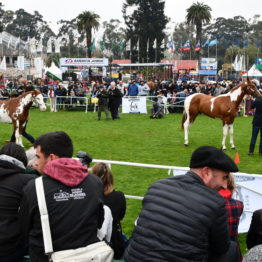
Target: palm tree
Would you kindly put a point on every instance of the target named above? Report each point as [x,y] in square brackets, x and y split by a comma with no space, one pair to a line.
[198,14]
[87,21]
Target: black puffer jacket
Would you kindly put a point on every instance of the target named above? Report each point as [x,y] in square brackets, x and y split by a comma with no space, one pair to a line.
[12,181]
[181,221]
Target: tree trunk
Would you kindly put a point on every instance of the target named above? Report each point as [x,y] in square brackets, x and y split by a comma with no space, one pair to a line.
[88,43]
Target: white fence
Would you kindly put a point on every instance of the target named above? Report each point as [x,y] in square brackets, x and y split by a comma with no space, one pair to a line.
[248,188]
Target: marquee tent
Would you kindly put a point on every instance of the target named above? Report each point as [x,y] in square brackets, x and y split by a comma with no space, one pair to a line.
[54,72]
[253,73]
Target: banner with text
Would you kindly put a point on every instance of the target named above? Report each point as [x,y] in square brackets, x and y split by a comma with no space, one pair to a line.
[134,105]
[83,62]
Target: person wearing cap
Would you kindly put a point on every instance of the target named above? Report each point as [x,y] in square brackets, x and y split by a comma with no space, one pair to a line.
[102,96]
[183,218]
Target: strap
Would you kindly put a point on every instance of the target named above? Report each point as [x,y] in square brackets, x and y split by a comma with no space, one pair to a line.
[44,215]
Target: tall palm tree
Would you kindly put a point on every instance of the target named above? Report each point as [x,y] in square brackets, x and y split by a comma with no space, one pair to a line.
[87,21]
[198,14]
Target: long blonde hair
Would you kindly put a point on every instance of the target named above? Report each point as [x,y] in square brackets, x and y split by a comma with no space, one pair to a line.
[103,171]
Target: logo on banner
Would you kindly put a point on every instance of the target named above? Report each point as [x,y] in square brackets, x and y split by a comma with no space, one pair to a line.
[69,61]
[134,108]
[244,178]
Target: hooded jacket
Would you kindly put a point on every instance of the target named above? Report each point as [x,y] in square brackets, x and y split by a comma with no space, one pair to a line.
[74,204]
[12,181]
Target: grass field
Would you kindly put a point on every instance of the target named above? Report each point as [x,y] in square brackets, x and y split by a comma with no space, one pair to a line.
[137,138]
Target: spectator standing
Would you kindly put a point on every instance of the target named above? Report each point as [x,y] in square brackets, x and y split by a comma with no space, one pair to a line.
[256,126]
[13,162]
[115,97]
[183,217]
[116,201]
[143,89]
[73,199]
[29,87]
[133,89]
[52,98]
[102,96]
[254,235]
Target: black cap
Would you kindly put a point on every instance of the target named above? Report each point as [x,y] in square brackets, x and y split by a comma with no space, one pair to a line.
[212,157]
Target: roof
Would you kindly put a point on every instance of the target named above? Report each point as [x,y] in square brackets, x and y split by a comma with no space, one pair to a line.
[121,61]
[182,64]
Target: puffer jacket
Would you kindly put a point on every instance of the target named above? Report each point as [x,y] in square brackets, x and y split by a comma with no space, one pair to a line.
[181,220]
[12,181]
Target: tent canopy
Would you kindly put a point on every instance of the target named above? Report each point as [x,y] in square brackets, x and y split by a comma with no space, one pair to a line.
[253,72]
[54,72]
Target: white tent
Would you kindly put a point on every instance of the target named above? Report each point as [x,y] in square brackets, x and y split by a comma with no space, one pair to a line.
[253,73]
[54,72]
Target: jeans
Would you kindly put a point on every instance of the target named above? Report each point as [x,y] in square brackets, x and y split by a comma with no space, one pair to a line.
[255,131]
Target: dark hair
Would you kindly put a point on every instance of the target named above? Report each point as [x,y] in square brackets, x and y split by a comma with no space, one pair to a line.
[15,151]
[103,171]
[58,143]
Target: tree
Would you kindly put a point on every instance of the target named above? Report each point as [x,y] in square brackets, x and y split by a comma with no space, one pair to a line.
[145,21]
[86,22]
[198,14]
[53,58]
[1,17]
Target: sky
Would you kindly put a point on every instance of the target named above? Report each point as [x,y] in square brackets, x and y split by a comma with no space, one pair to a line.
[55,10]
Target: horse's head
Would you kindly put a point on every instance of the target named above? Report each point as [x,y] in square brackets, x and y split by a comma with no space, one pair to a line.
[250,88]
[38,99]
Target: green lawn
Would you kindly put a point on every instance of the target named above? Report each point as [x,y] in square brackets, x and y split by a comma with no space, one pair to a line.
[137,138]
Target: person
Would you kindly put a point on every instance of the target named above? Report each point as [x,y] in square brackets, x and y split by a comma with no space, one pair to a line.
[13,162]
[158,106]
[143,89]
[115,96]
[256,126]
[234,208]
[74,198]
[102,96]
[52,98]
[183,218]
[133,89]
[253,255]
[254,235]
[116,201]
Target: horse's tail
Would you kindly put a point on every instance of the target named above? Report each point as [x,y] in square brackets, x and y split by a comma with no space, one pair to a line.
[184,117]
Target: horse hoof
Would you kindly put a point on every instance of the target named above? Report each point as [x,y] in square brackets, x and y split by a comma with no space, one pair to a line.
[185,144]
[224,148]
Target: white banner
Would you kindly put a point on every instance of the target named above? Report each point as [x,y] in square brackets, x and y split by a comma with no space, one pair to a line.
[134,105]
[208,64]
[39,65]
[49,46]
[83,61]
[3,64]
[21,62]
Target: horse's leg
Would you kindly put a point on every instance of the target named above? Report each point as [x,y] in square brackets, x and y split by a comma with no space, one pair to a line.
[231,133]
[18,133]
[225,132]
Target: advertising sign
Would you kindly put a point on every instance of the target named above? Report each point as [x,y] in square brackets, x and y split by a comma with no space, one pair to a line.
[134,105]
[208,64]
[83,62]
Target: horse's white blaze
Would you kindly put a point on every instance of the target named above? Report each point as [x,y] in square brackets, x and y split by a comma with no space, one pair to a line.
[212,103]
[40,101]
[4,117]
[235,94]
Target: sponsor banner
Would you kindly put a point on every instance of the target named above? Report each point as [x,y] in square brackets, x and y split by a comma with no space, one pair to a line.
[134,105]
[208,64]
[83,62]
[248,190]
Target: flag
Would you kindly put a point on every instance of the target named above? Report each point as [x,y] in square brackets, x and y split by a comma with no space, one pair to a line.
[3,64]
[163,44]
[137,45]
[102,45]
[171,46]
[181,48]
[198,47]
[57,45]
[49,46]
[206,43]
[121,46]
[155,43]
[147,45]
[128,45]
[186,46]
[213,42]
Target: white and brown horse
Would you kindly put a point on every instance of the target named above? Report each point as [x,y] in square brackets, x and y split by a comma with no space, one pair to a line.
[16,110]
[224,107]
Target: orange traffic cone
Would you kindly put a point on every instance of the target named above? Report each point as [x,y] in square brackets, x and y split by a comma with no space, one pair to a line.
[237,159]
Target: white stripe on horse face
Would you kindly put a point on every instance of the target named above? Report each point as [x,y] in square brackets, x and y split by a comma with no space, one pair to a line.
[235,94]
[40,101]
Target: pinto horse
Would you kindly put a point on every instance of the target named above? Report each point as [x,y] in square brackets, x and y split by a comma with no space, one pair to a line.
[16,110]
[223,106]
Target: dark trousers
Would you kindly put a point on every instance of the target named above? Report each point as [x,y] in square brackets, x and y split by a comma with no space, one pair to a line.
[102,108]
[255,131]
[114,112]
[232,255]
[24,134]
[16,255]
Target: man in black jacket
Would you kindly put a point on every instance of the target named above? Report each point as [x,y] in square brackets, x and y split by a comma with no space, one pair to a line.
[183,217]
[73,198]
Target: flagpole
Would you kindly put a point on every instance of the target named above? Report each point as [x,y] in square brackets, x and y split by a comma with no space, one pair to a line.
[130,57]
[147,59]
[216,57]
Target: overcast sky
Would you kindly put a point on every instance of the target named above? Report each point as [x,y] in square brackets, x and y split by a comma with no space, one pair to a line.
[55,10]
